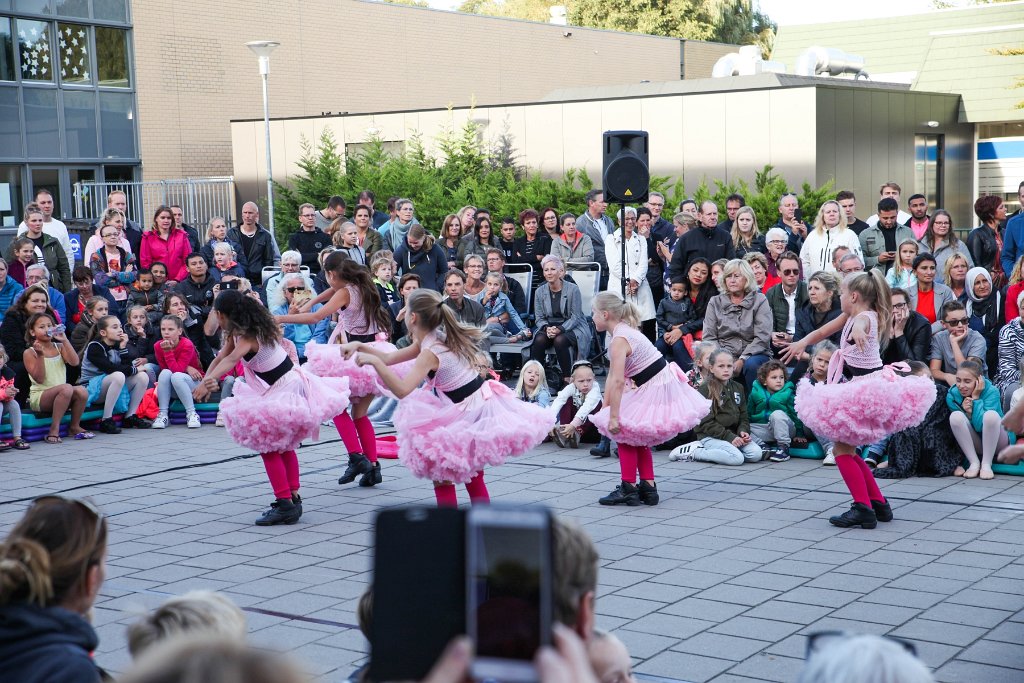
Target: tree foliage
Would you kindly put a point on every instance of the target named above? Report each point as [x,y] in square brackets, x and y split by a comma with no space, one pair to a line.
[470,171]
[726,21]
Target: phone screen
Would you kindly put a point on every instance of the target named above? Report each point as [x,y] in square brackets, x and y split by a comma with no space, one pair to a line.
[509,590]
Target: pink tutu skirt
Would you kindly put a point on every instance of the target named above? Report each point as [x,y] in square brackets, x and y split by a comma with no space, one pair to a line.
[325,360]
[444,441]
[865,409]
[280,417]
[661,408]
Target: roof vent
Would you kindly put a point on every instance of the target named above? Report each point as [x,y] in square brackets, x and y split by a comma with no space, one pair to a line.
[746,62]
[816,60]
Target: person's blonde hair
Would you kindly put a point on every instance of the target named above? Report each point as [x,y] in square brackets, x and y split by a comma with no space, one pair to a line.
[874,291]
[418,232]
[209,226]
[200,659]
[947,268]
[737,266]
[433,315]
[338,237]
[111,214]
[200,612]
[541,383]
[738,239]
[617,307]
[899,248]
[819,220]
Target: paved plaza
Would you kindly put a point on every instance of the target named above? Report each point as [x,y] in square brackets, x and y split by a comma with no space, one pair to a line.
[719,582]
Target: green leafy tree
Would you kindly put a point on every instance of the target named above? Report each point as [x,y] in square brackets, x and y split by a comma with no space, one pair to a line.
[533,10]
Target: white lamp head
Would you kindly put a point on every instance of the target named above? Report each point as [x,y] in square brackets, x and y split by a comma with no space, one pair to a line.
[262,49]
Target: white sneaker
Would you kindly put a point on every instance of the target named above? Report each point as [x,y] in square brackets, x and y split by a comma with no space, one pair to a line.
[160,422]
[192,420]
[684,452]
[220,420]
[830,458]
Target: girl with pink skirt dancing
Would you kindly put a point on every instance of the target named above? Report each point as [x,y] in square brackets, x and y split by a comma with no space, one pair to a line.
[862,402]
[356,300]
[459,423]
[277,406]
[662,404]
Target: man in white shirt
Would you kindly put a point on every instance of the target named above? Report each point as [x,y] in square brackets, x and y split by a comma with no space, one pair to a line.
[890,189]
[51,226]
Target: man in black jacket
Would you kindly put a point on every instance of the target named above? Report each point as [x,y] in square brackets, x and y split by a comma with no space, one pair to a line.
[707,240]
[309,240]
[179,222]
[197,288]
[911,332]
[257,243]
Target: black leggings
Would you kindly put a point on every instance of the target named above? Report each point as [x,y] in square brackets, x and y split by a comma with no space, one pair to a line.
[562,343]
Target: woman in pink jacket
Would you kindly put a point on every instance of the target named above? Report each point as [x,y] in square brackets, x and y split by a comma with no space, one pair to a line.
[167,244]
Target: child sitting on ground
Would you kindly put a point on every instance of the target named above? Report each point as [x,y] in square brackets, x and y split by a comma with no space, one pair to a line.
[821,354]
[976,419]
[144,294]
[573,406]
[532,386]
[725,432]
[224,262]
[773,418]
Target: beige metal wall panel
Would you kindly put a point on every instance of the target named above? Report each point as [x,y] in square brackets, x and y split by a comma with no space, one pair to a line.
[581,125]
[704,134]
[543,131]
[792,117]
[747,139]
[663,120]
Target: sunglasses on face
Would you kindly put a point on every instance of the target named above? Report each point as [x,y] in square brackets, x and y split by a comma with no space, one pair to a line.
[292,290]
[790,271]
[956,323]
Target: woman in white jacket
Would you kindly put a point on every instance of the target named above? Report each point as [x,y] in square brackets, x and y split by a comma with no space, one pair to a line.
[638,292]
[829,232]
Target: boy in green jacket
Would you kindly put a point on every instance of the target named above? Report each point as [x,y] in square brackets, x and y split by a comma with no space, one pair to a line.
[773,418]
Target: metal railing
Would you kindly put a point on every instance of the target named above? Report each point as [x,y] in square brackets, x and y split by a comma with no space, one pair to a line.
[200,199]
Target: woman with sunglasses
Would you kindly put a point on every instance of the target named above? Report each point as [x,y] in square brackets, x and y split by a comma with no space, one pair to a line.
[296,292]
[52,565]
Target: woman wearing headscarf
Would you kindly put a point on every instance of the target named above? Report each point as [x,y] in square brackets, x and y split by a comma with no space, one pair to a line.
[985,312]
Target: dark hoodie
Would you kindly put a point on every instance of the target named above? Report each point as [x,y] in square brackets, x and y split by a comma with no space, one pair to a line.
[46,645]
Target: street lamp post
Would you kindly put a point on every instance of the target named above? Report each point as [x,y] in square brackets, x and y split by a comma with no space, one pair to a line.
[262,49]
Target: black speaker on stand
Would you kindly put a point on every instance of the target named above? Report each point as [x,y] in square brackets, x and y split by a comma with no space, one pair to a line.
[625,175]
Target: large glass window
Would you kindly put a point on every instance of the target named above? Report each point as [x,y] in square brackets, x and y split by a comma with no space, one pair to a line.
[34,48]
[10,122]
[110,10]
[75,61]
[72,8]
[34,6]
[10,196]
[80,124]
[41,122]
[6,50]
[112,57]
[117,125]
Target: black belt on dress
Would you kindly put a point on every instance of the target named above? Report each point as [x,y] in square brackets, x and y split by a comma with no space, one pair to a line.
[649,372]
[365,338]
[271,376]
[465,391]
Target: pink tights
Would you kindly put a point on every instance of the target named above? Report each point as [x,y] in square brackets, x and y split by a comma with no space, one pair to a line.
[283,472]
[476,488]
[859,479]
[633,459]
[358,435]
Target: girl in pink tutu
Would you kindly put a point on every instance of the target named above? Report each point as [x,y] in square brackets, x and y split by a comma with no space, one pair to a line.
[356,300]
[277,406]
[458,423]
[662,404]
[875,401]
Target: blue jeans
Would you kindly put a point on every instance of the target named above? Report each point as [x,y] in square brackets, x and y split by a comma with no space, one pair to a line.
[677,352]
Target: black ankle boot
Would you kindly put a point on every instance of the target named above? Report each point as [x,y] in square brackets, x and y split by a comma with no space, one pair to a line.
[297,502]
[883,511]
[371,478]
[624,494]
[603,449]
[859,514]
[648,493]
[282,511]
[357,464]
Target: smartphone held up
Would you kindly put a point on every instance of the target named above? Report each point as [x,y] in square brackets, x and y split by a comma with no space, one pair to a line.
[439,573]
